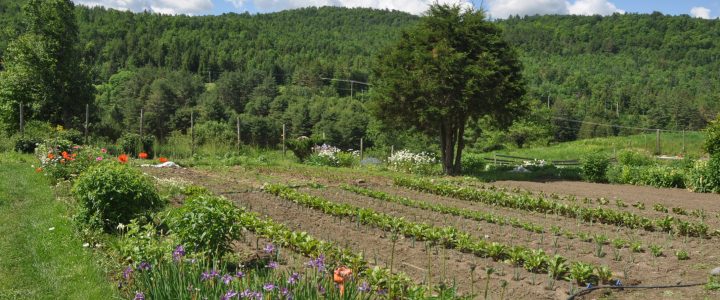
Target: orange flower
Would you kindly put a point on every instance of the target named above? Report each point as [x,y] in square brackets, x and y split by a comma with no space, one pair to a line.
[65,155]
[51,156]
[74,155]
[163,160]
[339,277]
[62,161]
[143,155]
[123,158]
[38,170]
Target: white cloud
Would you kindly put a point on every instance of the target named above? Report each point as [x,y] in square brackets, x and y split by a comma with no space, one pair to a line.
[505,8]
[700,12]
[593,7]
[190,7]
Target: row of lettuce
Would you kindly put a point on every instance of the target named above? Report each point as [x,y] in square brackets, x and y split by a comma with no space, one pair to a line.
[163,251]
[533,260]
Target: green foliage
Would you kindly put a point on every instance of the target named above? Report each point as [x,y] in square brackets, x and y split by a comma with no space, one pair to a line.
[704,177]
[447,41]
[472,163]
[143,242]
[652,175]
[206,224]
[301,147]
[634,158]
[132,144]
[712,138]
[113,193]
[595,166]
[27,145]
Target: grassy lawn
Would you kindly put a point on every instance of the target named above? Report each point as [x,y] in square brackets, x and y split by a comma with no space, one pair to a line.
[36,262]
[670,144]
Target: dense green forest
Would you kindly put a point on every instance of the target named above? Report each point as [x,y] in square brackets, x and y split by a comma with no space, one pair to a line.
[651,71]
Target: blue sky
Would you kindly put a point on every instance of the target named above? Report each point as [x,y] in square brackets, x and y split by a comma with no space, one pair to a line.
[497,8]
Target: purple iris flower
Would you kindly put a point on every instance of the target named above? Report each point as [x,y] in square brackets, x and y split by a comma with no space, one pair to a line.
[229,295]
[269,248]
[364,287]
[293,278]
[318,263]
[127,272]
[273,265]
[268,287]
[139,296]
[178,253]
[240,275]
[227,278]
[144,266]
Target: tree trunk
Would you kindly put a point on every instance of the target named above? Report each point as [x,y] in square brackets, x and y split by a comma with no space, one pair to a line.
[457,168]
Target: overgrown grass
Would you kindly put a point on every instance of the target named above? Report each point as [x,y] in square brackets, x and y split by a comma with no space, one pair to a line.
[40,255]
[670,144]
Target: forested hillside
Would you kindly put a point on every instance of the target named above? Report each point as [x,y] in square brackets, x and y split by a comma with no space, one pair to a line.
[651,71]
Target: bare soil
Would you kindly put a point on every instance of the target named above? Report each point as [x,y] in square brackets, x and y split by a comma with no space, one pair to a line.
[242,186]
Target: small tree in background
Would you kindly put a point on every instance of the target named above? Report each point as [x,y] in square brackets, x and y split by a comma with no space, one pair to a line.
[453,66]
[712,138]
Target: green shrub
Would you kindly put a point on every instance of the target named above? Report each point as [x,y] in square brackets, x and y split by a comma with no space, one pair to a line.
[113,193]
[712,137]
[595,166]
[301,147]
[634,158]
[74,136]
[704,177]
[472,163]
[132,144]
[657,176]
[323,160]
[27,144]
[347,159]
[206,224]
[144,242]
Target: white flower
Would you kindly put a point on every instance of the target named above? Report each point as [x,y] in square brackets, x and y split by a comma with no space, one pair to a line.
[86,245]
[51,228]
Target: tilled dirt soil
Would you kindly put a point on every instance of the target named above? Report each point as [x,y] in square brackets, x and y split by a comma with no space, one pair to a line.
[413,259]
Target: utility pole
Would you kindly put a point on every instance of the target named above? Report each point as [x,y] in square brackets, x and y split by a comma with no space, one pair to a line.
[548,101]
[361,149]
[657,141]
[192,132]
[683,139]
[283,140]
[351,89]
[141,123]
[238,134]
[22,121]
[87,119]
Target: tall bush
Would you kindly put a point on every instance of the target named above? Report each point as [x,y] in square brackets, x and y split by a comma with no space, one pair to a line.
[113,193]
[133,144]
[206,224]
[712,137]
[595,167]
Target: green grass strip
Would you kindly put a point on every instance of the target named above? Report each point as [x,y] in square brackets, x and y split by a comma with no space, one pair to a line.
[35,261]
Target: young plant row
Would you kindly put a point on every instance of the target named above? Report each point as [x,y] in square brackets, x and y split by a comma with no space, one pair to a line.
[542,205]
[536,261]
[465,213]
[305,244]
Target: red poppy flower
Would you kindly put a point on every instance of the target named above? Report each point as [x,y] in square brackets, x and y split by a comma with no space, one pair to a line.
[162,160]
[123,158]
[51,156]
[143,155]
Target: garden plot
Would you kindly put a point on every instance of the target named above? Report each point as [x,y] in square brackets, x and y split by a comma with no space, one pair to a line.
[575,240]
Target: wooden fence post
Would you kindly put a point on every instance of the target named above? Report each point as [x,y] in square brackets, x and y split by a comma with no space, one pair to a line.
[361,149]
[87,119]
[192,133]
[238,134]
[657,141]
[141,123]
[283,140]
[22,121]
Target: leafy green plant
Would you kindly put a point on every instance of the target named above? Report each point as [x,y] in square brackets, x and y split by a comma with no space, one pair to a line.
[712,137]
[301,147]
[604,274]
[595,167]
[206,224]
[656,250]
[132,144]
[682,255]
[113,193]
[557,268]
[636,247]
[659,207]
[582,273]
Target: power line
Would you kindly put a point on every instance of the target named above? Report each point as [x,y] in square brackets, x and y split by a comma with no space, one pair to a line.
[620,126]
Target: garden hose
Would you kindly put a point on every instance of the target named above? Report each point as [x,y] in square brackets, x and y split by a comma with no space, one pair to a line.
[590,289]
